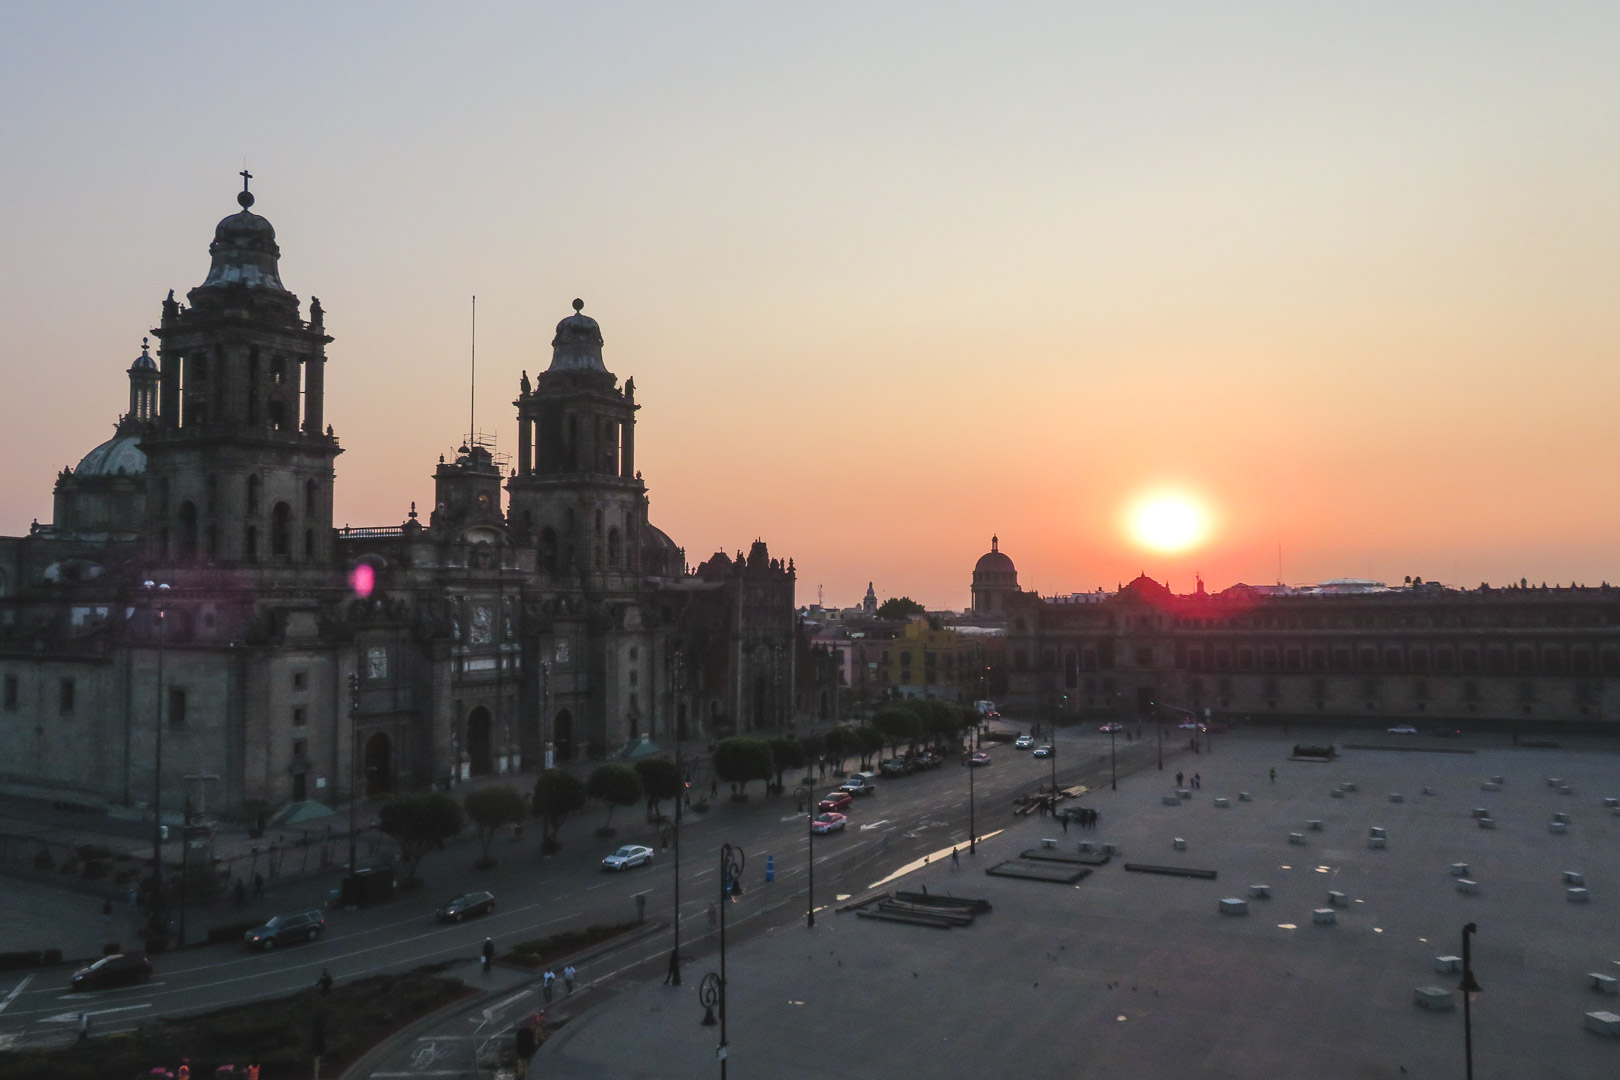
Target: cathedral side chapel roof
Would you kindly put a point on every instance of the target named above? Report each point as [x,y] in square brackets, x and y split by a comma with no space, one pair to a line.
[119,456]
[577,345]
[244,251]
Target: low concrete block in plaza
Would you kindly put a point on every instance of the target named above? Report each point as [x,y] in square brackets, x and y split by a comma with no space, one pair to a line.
[1459,869]
[1049,842]
[1615,811]
[1561,817]
[1260,892]
[1244,796]
[1171,800]
[1604,1023]
[1337,793]
[1296,838]
[1178,843]
[1337,898]
[1111,847]
[1377,843]
[1437,998]
[1185,793]
[1498,779]
[1222,804]
[1233,905]
[1574,877]
[1467,885]
[1375,830]
[1554,781]
[1577,895]
[1314,825]
[1348,786]
[1324,916]
[1566,790]
[1429,791]
[1490,785]
[1447,965]
[1481,812]
[1604,984]
[1611,802]
[1559,827]
[1088,846]
[1396,796]
[1487,823]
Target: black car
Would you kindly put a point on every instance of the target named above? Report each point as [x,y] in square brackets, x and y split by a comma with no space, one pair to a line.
[119,969]
[473,903]
[895,767]
[304,926]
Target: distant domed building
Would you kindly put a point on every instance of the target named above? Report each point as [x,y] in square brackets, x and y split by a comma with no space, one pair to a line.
[995,581]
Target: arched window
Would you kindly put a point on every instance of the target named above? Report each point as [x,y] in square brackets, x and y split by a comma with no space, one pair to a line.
[188,528]
[309,543]
[312,493]
[281,529]
[548,550]
[277,412]
[613,552]
[599,523]
[253,494]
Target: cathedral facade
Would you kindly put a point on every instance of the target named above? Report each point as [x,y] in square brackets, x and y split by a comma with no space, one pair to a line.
[192,590]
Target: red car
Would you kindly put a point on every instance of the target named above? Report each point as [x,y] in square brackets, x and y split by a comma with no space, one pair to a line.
[837,800]
[826,823]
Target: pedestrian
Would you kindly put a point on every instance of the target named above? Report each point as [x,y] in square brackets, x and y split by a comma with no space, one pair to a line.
[1178,779]
[568,978]
[84,1026]
[546,982]
[956,861]
[489,954]
[1273,774]
[258,886]
[1198,781]
[1065,820]
[712,917]
[324,982]
[106,911]
[714,788]
[241,893]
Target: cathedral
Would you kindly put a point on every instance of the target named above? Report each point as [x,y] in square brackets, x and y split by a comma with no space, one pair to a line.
[191,616]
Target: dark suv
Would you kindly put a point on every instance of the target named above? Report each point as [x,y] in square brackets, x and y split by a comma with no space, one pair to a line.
[304,926]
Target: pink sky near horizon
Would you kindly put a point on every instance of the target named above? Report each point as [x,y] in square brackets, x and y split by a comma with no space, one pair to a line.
[889,280]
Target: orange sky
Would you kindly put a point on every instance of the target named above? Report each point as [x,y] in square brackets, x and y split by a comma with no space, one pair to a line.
[890,281]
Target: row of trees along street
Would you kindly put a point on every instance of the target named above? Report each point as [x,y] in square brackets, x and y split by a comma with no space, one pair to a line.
[421,823]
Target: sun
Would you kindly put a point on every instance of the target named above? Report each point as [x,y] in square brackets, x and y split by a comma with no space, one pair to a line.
[1168,522]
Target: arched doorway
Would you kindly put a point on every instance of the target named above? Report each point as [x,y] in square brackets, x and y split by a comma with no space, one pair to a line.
[562,735]
[478,725]
[379,765]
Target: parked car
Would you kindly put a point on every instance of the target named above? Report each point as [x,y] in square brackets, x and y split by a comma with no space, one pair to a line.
[1403,729]
[862,783]
[1191,725]
[1043,750]
[924,759]
[836,800]
[284,929]
[1447,732]
[828,822]
[1115,725]
[895,767]
[627,856]
[473,903]
[119,969]
[979,758]
[1024,742]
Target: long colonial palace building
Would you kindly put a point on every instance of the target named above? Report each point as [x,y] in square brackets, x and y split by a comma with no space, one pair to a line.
[1345,652]
[192,584]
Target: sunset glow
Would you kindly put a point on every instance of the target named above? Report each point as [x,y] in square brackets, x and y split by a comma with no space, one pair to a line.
[1168,523]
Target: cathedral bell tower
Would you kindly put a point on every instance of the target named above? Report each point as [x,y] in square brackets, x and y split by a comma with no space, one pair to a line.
[239,458]
[576,494]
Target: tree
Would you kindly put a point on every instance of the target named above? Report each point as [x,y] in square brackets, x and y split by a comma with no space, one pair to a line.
[840,743]
[616,784]
[420,824]
[660,779]
[740,760]
[557,794]
[897,724]
[813,747]
[869,741]
[490,809]
[900,607]
[786,754]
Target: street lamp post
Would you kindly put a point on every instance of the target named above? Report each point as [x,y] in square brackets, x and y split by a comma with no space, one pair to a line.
[810,893]
[1113,771]
[1469,987]
[158,593]
[680,797]
[712,992]
[973,829]
[354,763]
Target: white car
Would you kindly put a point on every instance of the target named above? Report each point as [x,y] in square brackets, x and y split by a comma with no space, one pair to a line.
[1024,742]
[1403,729]
[628,856]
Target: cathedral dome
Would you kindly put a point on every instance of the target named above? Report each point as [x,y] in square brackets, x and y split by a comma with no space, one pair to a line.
[119,456]
[144,362]
[577,345]
[994,561]
[244,251]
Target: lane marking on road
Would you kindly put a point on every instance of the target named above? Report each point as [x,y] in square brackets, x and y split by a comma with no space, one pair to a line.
[97,995]
[70,1017]
[424,1072]
[873,825]
[918,864]
[15,990]
[501,1006]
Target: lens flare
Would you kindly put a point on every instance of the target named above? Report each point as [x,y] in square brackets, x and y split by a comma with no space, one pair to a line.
[1168,523]
[362,579]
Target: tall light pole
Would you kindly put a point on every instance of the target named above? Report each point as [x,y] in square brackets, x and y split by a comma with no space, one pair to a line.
[1469,987]
[678,676]
[973,829]
[810,893]
[157,593]
[1113,771]
[354,764]
[712,994]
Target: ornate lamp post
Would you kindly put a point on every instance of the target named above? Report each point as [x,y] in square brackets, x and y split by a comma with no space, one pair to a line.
[810,893]
[712,992]
[158,593]
[1469,987]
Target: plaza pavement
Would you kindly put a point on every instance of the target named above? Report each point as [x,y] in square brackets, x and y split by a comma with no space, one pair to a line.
[1140,976]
